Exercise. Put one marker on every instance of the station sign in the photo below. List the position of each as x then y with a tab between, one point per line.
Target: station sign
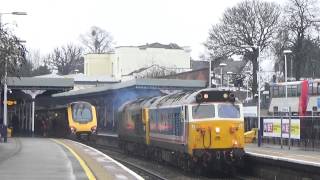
273	128
11	102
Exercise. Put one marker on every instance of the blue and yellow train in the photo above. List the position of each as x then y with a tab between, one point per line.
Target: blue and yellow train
76	118
189	129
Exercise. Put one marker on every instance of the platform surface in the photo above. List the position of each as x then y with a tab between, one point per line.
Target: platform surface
44	158
275	152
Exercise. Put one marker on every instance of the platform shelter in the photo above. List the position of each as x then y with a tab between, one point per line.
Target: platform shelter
23	95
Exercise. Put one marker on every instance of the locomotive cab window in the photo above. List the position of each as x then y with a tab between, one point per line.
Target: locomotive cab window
228	111
203	111
81	113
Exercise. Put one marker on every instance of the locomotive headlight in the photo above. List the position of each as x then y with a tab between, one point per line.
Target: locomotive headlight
94	129
73	129
205	96
217	130
225	95
235	143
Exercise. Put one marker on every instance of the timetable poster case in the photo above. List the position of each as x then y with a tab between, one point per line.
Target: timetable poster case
272	128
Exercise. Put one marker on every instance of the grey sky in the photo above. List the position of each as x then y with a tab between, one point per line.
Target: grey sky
52	23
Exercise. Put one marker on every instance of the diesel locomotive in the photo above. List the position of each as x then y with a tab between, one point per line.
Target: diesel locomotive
199	129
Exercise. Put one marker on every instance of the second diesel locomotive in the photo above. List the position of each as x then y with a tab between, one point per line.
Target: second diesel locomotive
188	129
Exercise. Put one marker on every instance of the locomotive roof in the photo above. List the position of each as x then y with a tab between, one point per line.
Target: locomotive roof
172	84
180	98
138	103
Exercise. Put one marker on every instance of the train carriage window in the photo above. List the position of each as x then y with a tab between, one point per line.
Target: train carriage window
281	91
275	91
314	89
228	111
318	88
81	113
292	91
203	111
310	88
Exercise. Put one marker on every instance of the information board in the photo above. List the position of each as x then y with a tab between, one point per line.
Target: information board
273	128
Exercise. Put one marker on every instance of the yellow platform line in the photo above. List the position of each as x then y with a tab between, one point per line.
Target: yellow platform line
82	162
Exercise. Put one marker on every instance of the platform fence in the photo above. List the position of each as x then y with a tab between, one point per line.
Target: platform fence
304	134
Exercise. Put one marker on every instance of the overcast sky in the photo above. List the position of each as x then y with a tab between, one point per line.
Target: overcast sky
53	23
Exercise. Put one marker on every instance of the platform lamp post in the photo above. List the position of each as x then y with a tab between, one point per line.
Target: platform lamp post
285	52
210	72
5	88
247	73
221	70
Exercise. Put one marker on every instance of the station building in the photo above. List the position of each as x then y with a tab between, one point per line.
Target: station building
124	60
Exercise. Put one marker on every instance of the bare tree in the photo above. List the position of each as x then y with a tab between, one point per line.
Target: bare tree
25	70
97	40
299	15
249	23
156	71
12	53
66	59
41	70
33	55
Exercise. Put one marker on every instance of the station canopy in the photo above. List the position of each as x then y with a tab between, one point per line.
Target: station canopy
35	83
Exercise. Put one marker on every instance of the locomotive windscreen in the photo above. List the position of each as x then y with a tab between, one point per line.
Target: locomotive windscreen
81	112
215	96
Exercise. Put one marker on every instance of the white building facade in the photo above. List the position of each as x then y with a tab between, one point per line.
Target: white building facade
127	59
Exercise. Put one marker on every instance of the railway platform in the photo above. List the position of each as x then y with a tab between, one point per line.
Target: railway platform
273	162
44	158
275	152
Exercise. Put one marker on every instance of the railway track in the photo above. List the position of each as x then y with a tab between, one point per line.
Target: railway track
148	169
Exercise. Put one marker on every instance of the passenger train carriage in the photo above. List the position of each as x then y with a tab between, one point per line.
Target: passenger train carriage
302	97
188	129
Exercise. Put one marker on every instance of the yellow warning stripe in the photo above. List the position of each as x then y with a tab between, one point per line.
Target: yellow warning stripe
82	162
